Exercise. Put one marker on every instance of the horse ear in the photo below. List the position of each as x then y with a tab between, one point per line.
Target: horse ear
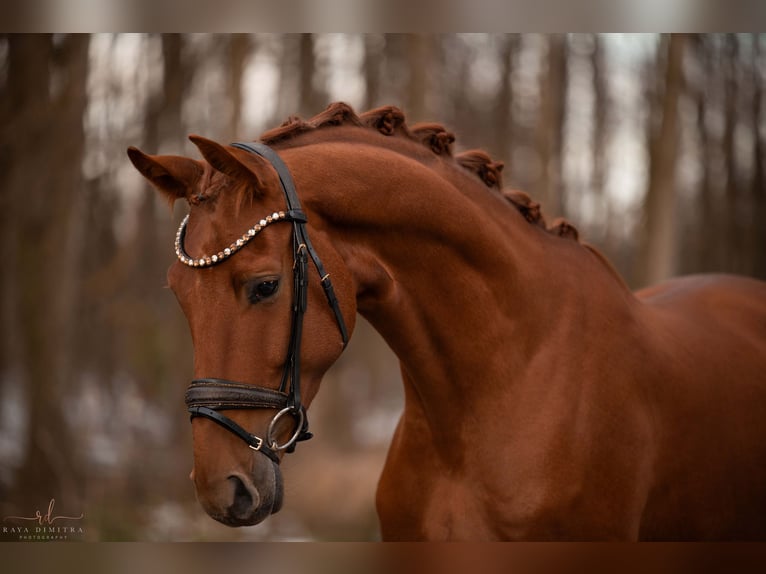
226	162
174	176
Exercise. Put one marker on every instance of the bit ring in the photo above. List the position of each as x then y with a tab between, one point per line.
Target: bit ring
299	427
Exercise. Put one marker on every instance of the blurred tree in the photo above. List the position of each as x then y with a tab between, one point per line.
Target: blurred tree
239	49
43	136
373	58
705	223
300	91
150	317
312	97
657	255
550	125
602	107
600	114
757	237
420	58
157	336
503	126
732	217
724	214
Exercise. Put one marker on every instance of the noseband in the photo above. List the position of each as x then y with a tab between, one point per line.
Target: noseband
206	397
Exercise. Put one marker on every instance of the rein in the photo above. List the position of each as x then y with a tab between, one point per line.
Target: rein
206	397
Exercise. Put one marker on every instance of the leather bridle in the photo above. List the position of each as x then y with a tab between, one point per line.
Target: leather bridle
206	397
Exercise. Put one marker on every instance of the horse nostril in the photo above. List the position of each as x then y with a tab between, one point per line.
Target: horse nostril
245	499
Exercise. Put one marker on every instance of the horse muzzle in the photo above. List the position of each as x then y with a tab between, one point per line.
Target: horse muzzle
242	499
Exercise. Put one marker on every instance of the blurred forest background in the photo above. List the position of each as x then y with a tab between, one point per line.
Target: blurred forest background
653	145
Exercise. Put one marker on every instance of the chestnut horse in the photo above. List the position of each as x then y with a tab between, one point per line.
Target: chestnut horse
543	399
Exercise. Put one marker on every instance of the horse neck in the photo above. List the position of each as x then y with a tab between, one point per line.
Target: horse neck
461	287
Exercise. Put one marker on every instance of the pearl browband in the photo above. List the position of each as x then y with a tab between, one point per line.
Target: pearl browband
224	254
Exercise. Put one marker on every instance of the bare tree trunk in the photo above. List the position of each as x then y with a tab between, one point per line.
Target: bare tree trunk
757	245
734	257
550	127
601	118
70	240
298	82
29	58
239	50
313	99
21	117
703	251
150	252
657	258
46	250
461	112
419	57
162	130
503	128
175	82
600	114
373	45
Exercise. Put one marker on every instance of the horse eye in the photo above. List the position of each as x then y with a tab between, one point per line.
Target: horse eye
263	290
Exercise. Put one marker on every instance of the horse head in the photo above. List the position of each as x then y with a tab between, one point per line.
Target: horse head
263	333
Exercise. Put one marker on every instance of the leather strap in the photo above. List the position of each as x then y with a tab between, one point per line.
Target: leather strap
253	441
294	205
223	394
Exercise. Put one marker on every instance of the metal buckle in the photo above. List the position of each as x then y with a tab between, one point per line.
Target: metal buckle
260	443
269	433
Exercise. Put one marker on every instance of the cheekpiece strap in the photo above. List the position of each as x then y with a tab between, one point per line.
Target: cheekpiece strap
294	206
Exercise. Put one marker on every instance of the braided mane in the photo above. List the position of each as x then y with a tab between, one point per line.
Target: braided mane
390	121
